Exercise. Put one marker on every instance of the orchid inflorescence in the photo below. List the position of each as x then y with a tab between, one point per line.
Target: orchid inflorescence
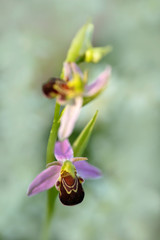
72	91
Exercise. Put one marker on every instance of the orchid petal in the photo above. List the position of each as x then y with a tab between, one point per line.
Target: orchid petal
63	150
69	117
67	71
86	170
98	84
45	180
59	163
76	159
76	69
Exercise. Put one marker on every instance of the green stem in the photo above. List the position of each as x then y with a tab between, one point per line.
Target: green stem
53	135
51	198
51	193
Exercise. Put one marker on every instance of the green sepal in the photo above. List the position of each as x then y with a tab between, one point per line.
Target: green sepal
81	142
80	43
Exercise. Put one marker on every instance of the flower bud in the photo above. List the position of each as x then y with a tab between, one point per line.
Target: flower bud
95	54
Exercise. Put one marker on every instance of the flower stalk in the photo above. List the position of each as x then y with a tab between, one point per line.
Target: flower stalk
53	134
66	169
51	193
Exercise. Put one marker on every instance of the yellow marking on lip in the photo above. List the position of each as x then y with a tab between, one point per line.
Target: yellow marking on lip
65	185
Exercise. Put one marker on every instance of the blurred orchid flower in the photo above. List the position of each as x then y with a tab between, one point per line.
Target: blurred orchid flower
67	174
70	92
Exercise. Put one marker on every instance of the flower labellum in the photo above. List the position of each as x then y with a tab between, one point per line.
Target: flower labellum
70	187
67	174
56	87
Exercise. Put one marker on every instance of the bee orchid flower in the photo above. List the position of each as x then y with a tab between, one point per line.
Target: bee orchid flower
67	174
70	92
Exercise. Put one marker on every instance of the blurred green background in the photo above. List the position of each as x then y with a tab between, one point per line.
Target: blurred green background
35	36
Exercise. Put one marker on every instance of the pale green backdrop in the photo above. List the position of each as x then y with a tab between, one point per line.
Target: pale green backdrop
35	36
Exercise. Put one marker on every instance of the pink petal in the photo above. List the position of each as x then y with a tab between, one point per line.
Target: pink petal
76	69
86	170
69	117
63	150
45	180
98	84
67	71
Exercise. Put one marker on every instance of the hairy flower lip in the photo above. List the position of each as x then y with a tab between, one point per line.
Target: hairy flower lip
54	87
71	194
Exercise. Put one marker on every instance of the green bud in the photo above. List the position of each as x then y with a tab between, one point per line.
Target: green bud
95	54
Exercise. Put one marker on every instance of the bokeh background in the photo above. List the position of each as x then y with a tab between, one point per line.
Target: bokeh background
35	36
